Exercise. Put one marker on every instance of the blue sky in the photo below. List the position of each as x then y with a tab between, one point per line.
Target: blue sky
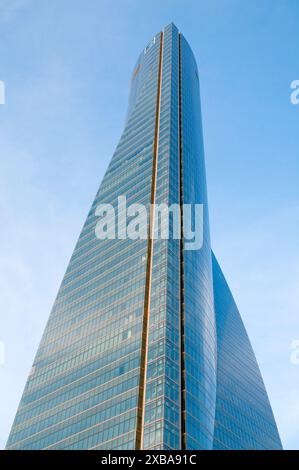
66	65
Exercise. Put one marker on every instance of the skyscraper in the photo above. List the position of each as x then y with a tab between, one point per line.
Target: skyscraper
144	347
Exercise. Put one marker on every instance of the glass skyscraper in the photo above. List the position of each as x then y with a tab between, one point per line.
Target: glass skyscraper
144	347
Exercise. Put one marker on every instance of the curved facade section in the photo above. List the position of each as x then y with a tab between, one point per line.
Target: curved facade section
244	418
199	335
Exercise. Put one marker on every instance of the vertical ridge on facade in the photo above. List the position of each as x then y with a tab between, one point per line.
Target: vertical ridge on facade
144	340
183	374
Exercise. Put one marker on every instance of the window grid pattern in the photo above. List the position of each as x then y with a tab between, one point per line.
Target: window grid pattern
199	317
203	388
244	418
84	386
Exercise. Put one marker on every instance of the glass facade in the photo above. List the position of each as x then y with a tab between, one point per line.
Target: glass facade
244	418
137	352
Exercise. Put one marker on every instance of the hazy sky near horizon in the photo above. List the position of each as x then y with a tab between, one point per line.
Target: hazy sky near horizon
66	65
